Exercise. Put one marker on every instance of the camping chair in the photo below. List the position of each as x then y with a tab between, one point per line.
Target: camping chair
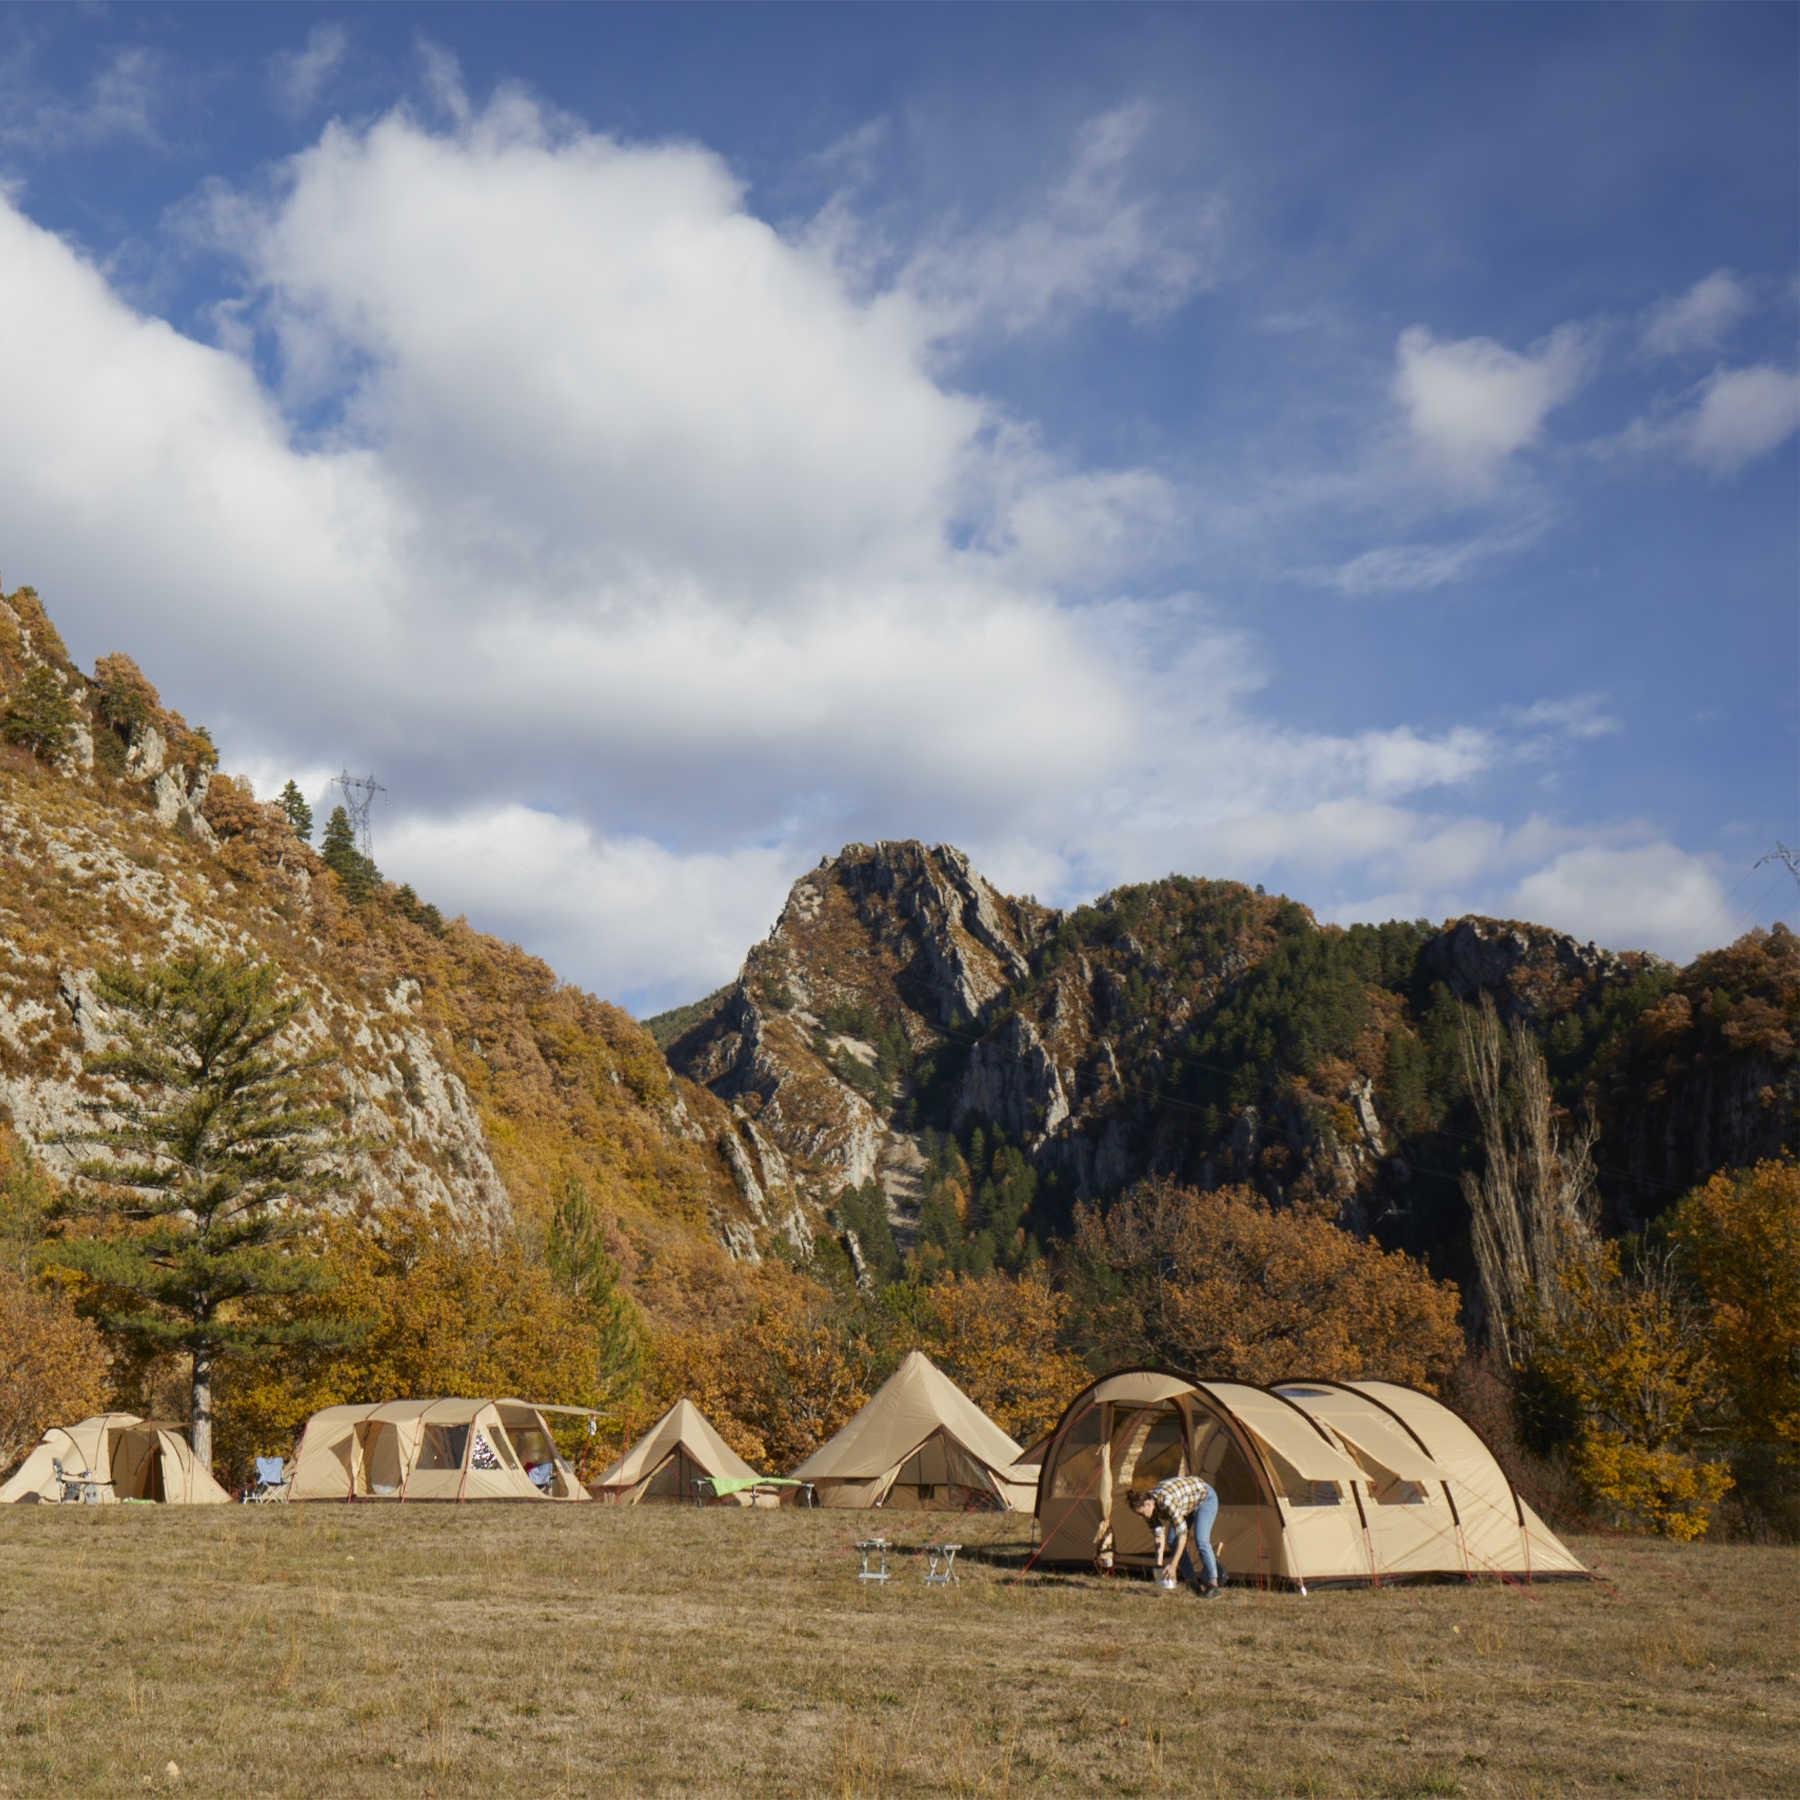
78	1485
271	1481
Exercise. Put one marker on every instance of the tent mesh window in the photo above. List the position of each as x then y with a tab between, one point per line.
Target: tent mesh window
1078	1463
443	1447
1221	1460
1161	1449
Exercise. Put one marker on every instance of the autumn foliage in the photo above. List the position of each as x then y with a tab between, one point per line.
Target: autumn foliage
54	1369
1225	1284
438	1308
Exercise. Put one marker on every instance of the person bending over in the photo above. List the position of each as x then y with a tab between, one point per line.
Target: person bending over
1187	1507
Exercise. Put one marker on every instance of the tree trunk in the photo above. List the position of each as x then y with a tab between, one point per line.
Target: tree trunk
202	1414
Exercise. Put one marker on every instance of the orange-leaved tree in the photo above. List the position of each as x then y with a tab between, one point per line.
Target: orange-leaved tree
53	1363
1226	1285
779	1382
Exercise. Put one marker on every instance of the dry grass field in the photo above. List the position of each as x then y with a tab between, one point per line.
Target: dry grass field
331	1650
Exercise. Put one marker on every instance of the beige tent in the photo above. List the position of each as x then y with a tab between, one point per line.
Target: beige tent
431	1450
921	1442
127	1458
678	1450
1318	1481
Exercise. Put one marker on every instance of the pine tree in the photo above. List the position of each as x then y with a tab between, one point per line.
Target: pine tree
200	1209
338	847
293	803
579	1260
39	716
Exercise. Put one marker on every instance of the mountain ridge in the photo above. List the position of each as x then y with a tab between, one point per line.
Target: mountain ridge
905	1038
1210	1033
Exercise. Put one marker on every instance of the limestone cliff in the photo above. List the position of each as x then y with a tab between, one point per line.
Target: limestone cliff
473	1078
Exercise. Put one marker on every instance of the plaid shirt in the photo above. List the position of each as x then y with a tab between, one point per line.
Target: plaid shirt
1175	1500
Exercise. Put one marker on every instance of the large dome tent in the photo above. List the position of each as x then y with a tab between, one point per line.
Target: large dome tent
1318	1482
446	1449
124	1457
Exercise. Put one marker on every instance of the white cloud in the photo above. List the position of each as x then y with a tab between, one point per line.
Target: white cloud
1473	403
443	77
644	554
673	925
298	77
1580	716
1700	319
1092	243
1742	414
121	103
1423	568
1650	896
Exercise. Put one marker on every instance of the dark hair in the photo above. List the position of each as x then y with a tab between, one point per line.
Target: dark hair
1136	1497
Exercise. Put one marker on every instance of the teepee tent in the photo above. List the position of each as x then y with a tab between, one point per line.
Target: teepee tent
432	1450
678	1450
921	1442
123	1456
1318	1481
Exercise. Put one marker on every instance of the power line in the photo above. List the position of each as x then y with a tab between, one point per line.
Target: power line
1789	860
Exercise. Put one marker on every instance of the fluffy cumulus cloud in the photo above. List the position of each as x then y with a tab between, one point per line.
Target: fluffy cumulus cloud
1472	403
557	881
645	552
1650	896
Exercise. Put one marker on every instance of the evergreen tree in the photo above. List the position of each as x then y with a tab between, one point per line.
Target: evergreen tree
200	1208
39	716
293	803
580	1262
338	847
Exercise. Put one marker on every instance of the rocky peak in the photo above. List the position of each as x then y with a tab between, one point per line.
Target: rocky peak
1529	970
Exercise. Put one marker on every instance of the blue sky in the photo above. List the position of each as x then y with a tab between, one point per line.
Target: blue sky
1352	449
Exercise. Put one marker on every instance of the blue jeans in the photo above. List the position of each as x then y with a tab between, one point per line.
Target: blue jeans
1200	1530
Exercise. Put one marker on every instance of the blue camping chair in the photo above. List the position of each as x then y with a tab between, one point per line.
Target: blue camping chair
271	1481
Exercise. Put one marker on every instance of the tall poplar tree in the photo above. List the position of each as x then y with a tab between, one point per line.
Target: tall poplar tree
198	1211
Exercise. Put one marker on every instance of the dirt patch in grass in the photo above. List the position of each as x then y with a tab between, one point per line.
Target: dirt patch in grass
344	1650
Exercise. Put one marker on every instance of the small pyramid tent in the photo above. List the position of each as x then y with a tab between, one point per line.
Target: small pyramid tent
449	1449
127	1458
921	1442
679	1449
1318	1481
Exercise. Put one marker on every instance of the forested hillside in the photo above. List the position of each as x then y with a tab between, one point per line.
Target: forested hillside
973	1066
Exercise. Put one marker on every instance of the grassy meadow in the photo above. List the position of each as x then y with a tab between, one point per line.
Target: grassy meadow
336	1650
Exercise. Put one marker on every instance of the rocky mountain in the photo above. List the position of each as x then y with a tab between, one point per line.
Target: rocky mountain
1212	1033
906	1038
472	1076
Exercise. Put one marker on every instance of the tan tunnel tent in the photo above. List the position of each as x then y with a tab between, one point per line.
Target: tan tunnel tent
922	1443
449	1449
122	1457
1319	1482
680	1449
